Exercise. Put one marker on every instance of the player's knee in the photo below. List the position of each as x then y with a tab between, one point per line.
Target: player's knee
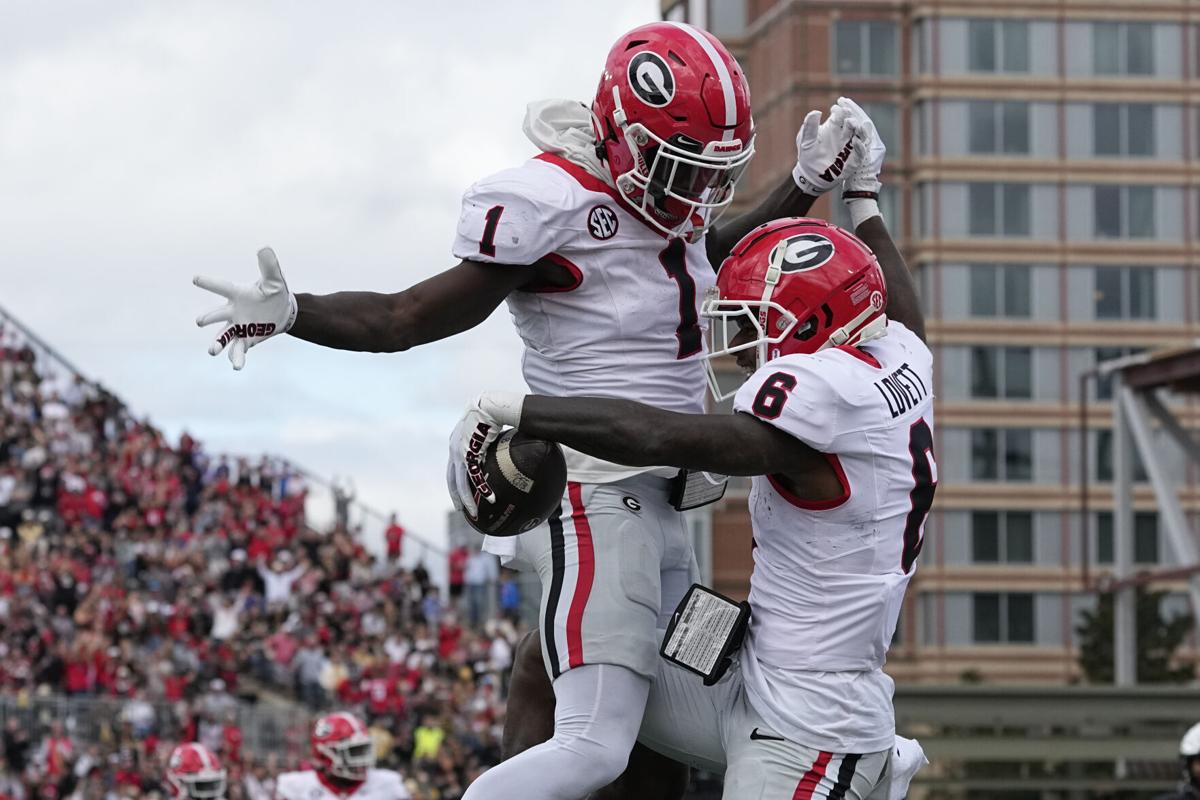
598	751
596	763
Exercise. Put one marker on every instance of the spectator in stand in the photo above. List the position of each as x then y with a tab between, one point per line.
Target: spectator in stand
480	576
510	597
393	535
458	564
279	578
129	583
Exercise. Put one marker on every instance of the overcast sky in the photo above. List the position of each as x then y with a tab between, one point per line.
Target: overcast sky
143	142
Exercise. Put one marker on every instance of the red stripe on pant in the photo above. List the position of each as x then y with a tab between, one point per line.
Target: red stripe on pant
808	784
583	581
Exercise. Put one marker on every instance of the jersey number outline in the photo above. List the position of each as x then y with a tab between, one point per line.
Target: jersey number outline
674	261
768	403
487	242
925	481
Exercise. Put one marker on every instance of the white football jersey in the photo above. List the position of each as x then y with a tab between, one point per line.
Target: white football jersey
381	784
829	577
628	326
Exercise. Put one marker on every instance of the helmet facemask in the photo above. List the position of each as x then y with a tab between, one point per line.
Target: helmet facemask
350	758
204	785
678	188
771	323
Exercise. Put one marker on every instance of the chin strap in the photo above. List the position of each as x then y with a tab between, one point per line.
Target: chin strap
875	329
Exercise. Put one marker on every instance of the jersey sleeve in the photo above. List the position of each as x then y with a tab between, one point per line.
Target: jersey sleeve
517	216
792	394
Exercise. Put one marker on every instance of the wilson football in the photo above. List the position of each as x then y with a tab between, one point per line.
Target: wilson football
527	477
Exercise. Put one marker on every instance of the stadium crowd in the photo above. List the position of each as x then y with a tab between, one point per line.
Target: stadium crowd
174	588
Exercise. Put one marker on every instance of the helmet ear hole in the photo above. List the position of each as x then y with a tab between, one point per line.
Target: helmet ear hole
808	330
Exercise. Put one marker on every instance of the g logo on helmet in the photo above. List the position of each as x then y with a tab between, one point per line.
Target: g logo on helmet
802	252
176	760
651	79
322	729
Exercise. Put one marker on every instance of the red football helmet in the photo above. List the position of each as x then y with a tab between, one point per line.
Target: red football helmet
672	114
193	773
342	747
803	285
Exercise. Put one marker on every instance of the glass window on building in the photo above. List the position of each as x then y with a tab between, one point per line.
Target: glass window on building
998	127
865	48
1000	290
1123	212
998	209
1145	537
1002	372
886	117
1020	627
986	613
1123	48
1001	454
997	45
1125	293
1123	129
1105	467
1004	537
1003	618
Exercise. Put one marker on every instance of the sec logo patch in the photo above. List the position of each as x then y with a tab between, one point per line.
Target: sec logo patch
602	222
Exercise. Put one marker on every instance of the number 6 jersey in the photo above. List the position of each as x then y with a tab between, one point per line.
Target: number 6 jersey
627	323
829	577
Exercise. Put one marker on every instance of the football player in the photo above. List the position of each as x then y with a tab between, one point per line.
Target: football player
193	773
1189	761
345	757
603	247
835	424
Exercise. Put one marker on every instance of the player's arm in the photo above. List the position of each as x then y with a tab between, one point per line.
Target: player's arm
821	152
786	200
862	200
903	305
627	432
446	304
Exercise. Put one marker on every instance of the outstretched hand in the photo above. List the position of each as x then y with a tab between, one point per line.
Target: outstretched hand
254	313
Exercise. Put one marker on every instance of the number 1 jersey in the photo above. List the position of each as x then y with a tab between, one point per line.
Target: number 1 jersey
626	325
829	577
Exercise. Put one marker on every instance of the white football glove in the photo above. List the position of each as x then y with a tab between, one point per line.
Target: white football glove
861	172
484	421
255	313
821	150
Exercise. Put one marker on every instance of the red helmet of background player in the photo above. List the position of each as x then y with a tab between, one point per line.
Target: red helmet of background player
802	285
672	114
193	773
342	747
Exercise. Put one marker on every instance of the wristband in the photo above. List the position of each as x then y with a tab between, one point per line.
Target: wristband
293	310
862	209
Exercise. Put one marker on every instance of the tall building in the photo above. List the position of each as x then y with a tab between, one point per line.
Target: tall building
1041	181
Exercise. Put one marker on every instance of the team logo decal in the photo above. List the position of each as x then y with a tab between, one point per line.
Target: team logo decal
651	79
631	503
323	728
803	252
602	222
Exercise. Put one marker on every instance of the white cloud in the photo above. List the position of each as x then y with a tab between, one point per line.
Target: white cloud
143	142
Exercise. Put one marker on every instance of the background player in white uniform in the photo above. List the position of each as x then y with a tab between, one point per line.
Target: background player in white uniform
603	249
345	757
835	423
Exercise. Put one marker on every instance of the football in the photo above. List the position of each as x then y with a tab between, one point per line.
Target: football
527	477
